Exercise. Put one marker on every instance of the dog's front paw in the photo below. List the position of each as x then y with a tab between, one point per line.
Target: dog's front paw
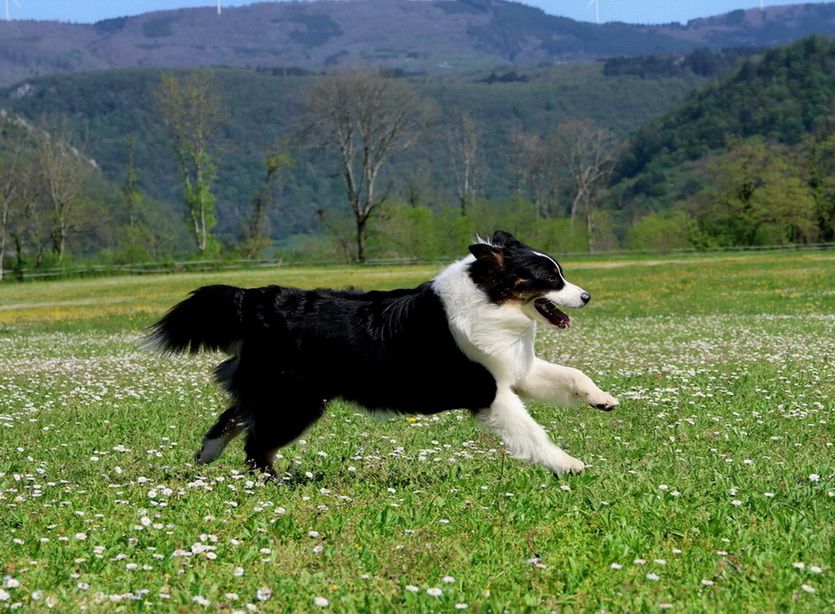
602	400
570	465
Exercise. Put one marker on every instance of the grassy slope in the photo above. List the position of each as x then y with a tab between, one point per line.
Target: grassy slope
106	106
723	365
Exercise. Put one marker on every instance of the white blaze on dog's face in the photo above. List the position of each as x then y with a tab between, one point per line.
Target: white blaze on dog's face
510	272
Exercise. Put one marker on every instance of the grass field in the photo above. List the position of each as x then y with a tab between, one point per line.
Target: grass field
712	487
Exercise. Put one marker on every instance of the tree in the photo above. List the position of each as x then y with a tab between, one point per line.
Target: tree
756	196
537	168
464	144
193	114
9	186
662	231
588	152
256	227
364	119
63	171
130	189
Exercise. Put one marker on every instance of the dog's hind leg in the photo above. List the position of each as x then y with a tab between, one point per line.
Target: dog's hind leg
228	426
278	428
524	437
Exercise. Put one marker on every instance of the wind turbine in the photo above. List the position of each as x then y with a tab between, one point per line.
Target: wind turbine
6	6
219	6
596	4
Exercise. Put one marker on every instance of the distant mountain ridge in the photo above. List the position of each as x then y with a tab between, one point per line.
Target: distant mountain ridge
419	35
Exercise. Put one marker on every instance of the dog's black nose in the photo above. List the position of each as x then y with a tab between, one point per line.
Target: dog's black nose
586	297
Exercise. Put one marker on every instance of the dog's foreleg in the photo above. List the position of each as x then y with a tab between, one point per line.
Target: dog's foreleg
550	383
524	437
218	437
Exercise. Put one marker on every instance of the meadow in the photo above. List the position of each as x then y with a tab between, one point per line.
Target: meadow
711	488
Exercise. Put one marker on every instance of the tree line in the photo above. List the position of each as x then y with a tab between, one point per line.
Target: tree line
357	123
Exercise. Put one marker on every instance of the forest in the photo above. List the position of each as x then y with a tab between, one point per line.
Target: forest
686	159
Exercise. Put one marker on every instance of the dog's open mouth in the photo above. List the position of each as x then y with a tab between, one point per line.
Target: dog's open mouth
549	310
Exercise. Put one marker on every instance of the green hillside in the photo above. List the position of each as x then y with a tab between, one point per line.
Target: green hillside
263	106
784	96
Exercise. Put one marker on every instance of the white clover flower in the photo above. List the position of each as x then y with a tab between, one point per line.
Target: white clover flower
448	579
815	569
313	534
808	588
263	593
615	566
321	602
412	588
799	565
654	577
200	600
434	591
814	477
238	571
4	595
461	606
707	582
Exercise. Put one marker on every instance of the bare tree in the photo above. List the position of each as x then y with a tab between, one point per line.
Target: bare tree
464	143
364	119
537	165
9	186
193	114
256	226
588	152
130	188
63	172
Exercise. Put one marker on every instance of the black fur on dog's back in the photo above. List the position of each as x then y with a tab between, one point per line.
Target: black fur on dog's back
293	350
387	350
211	318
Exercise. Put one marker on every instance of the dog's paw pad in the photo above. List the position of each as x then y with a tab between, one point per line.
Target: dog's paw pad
607	403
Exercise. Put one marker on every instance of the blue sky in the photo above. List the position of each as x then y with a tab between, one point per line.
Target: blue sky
636	11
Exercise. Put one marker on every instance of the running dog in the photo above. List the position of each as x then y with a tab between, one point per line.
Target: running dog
464	340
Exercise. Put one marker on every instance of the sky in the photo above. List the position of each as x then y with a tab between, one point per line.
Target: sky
634	11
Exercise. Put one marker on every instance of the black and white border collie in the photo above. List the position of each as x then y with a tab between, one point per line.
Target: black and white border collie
464	340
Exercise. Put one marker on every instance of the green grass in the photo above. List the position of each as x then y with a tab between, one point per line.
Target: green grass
702	491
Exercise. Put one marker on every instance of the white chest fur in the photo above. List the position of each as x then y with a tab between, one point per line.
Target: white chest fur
500	337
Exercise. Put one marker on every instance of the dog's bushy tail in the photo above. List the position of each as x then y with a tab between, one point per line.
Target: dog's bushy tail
211	318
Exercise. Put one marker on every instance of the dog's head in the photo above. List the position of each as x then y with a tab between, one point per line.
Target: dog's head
510	272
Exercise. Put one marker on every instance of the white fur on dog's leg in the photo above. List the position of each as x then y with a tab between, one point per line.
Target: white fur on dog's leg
524	437
550	383
212	448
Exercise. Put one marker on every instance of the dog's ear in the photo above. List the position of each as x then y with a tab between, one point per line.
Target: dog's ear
489	254
502	237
